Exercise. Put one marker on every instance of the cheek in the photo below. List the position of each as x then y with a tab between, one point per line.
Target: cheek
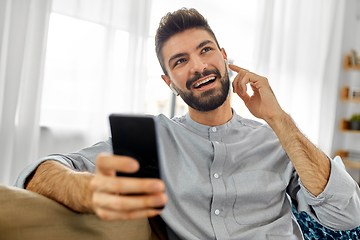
222	68
218	62
179	78
221	64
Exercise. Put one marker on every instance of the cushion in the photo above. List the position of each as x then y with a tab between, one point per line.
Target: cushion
312	230
28	215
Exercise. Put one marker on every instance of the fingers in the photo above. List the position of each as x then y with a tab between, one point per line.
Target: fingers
235	68
109	164
110	215
105	179
121	198
128	203
244	77
123	185
109	206
240	81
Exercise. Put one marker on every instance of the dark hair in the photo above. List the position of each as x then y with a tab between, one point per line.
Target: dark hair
177	22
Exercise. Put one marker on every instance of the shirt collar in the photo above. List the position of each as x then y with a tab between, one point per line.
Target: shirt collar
189	122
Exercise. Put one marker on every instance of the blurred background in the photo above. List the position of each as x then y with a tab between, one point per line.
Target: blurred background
65	65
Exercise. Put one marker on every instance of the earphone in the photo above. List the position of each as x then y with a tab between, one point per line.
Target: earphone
173	90
227	65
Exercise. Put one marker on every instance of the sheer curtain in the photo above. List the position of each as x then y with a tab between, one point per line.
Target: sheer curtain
299	46
113	80
96	65
130	16
23	28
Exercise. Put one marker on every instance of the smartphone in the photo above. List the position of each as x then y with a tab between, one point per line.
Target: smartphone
136	136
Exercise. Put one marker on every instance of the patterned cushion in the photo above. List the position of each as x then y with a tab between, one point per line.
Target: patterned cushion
312	230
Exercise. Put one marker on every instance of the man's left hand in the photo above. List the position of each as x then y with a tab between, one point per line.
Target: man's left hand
262	104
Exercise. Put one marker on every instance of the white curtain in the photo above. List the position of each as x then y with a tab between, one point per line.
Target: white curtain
132	16
23	29
116	79
299	46
23	41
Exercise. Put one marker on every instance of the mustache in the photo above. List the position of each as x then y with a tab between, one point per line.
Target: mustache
201	75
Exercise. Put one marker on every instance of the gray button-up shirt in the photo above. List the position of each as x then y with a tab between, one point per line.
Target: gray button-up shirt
233	181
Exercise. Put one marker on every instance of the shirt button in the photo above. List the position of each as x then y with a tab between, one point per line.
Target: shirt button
213	129
217	212
216	175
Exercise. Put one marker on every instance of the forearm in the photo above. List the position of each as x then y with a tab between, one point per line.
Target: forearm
310	163
64	185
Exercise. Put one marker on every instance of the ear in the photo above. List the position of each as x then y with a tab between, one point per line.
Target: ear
166	79
223	53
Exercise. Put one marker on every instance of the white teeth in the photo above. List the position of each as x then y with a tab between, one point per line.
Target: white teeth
204	81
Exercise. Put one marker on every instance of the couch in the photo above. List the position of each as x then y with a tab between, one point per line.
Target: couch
28	215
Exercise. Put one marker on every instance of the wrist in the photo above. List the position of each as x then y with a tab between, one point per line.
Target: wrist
278	119
82	200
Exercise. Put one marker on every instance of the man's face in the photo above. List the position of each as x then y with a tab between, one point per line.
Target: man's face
196	69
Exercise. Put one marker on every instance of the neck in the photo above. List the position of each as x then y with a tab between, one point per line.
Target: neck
215	117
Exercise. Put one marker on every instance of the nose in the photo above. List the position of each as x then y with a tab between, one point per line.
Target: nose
197	65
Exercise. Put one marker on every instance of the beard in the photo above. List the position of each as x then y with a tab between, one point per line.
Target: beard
210	99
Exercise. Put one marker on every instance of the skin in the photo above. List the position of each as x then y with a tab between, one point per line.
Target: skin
119	198
195	60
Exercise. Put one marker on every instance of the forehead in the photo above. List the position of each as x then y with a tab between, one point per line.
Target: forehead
185	42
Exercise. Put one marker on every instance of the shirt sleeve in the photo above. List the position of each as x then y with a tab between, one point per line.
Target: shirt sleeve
83	160
338	206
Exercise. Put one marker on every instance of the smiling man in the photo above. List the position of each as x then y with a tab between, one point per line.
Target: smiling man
226	177
205	88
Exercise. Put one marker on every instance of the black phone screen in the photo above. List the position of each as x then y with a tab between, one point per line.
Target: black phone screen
135	136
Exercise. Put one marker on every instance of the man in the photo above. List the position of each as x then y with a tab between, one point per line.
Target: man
226	177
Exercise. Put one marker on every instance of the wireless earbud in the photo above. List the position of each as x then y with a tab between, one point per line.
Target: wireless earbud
173	90
229	73
227	65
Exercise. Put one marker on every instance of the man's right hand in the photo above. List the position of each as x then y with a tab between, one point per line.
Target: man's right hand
124	198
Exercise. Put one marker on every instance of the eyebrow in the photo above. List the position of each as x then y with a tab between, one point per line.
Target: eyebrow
178	55
203	44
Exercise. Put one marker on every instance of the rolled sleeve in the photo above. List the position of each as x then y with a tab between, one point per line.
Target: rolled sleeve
26	172
338	206
84	160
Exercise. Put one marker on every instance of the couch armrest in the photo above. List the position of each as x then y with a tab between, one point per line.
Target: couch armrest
28	215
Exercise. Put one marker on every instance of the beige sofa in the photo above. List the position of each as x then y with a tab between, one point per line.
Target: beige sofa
27	215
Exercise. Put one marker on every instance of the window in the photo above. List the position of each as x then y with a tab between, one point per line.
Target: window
74	63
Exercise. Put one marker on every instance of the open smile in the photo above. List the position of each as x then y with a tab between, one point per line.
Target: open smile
204	83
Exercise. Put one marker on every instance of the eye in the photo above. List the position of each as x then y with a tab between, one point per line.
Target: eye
181	60
205	49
